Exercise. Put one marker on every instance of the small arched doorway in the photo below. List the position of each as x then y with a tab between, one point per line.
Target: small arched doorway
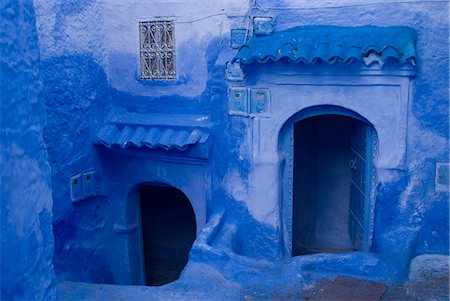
168	228
327	180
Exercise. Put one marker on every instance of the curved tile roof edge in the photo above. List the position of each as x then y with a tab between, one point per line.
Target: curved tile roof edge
151	137
331	44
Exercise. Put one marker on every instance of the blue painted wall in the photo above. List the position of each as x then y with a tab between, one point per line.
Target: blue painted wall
26	196
77	96
90	68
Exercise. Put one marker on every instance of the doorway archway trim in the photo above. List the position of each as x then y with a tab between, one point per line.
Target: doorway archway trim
286	148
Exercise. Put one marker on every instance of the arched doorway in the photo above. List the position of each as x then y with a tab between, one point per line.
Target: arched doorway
168	230
327	180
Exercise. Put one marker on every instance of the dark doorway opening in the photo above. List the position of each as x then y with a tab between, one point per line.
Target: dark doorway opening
168	232
330	193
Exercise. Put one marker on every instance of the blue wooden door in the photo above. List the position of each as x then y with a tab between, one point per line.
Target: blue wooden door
361	170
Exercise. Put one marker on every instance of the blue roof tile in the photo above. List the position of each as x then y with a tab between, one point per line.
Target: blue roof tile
331	44
151	137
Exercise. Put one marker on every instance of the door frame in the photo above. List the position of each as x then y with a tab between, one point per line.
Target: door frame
286	150
143	266
134	222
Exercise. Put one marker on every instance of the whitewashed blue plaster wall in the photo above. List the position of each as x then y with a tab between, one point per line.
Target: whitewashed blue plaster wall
291	93
27	240
90	61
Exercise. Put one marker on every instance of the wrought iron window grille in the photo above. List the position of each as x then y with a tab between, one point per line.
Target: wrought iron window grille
157	49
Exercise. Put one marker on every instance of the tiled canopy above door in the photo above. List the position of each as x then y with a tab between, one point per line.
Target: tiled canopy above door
317	44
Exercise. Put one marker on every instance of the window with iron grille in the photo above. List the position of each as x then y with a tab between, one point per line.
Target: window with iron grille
157	49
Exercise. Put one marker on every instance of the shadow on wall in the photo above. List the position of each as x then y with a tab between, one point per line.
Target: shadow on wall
26	200
167	97
77	97
83	243
239	232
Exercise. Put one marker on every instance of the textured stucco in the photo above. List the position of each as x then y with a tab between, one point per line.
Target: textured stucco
26	201
90	67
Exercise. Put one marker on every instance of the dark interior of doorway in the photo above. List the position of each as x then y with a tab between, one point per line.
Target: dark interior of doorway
322	184
168	232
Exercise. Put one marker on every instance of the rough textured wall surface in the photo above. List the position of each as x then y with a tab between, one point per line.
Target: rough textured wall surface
76	92
90	52
26	201
411	216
